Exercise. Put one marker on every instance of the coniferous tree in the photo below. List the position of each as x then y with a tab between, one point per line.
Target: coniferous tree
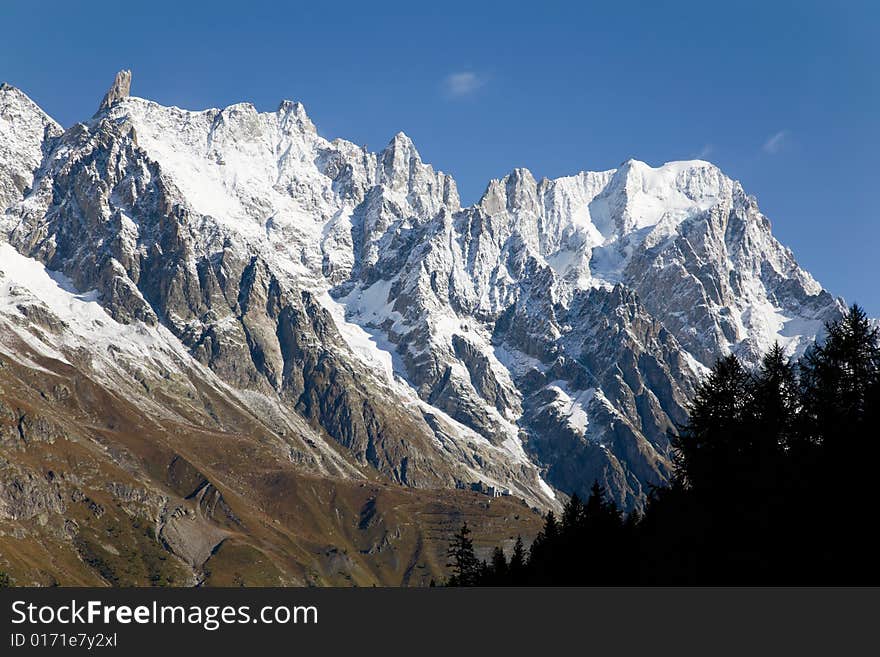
572	514
837	377
712	441
551	527
772	440
464	563
540	565
518	563
774	402
499	574
599	512
631	523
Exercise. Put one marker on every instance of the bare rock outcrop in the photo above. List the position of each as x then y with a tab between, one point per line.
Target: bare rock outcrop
118	90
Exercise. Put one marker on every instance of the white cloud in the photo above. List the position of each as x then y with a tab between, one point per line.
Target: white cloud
459	85
774	143
704	152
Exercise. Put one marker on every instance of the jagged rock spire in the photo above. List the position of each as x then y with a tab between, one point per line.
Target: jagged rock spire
118	90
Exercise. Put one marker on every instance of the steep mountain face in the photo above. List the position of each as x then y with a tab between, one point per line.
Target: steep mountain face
240	288
24	129
344	301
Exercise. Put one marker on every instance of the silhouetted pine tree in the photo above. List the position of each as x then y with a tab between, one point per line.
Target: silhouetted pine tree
540	567
600	513
837	379
498	569
551	528
713	439
517	566
466	569
774	404
572	514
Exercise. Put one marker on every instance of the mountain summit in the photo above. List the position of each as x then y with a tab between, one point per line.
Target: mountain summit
120	89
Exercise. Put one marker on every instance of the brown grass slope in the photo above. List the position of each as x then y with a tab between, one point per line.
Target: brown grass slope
94	491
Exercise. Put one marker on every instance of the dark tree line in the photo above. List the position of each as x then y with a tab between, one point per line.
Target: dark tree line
774	483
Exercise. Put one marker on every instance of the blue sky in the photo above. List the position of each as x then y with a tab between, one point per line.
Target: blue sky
782	96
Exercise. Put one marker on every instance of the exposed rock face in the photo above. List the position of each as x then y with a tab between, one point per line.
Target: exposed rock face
120	89
552	333
25	131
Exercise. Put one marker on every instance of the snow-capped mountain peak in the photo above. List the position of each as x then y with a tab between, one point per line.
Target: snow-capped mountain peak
551	333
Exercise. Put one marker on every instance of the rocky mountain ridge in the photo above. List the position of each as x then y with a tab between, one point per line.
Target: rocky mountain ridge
546	337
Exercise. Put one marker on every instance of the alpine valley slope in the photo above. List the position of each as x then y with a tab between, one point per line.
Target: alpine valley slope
231	273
